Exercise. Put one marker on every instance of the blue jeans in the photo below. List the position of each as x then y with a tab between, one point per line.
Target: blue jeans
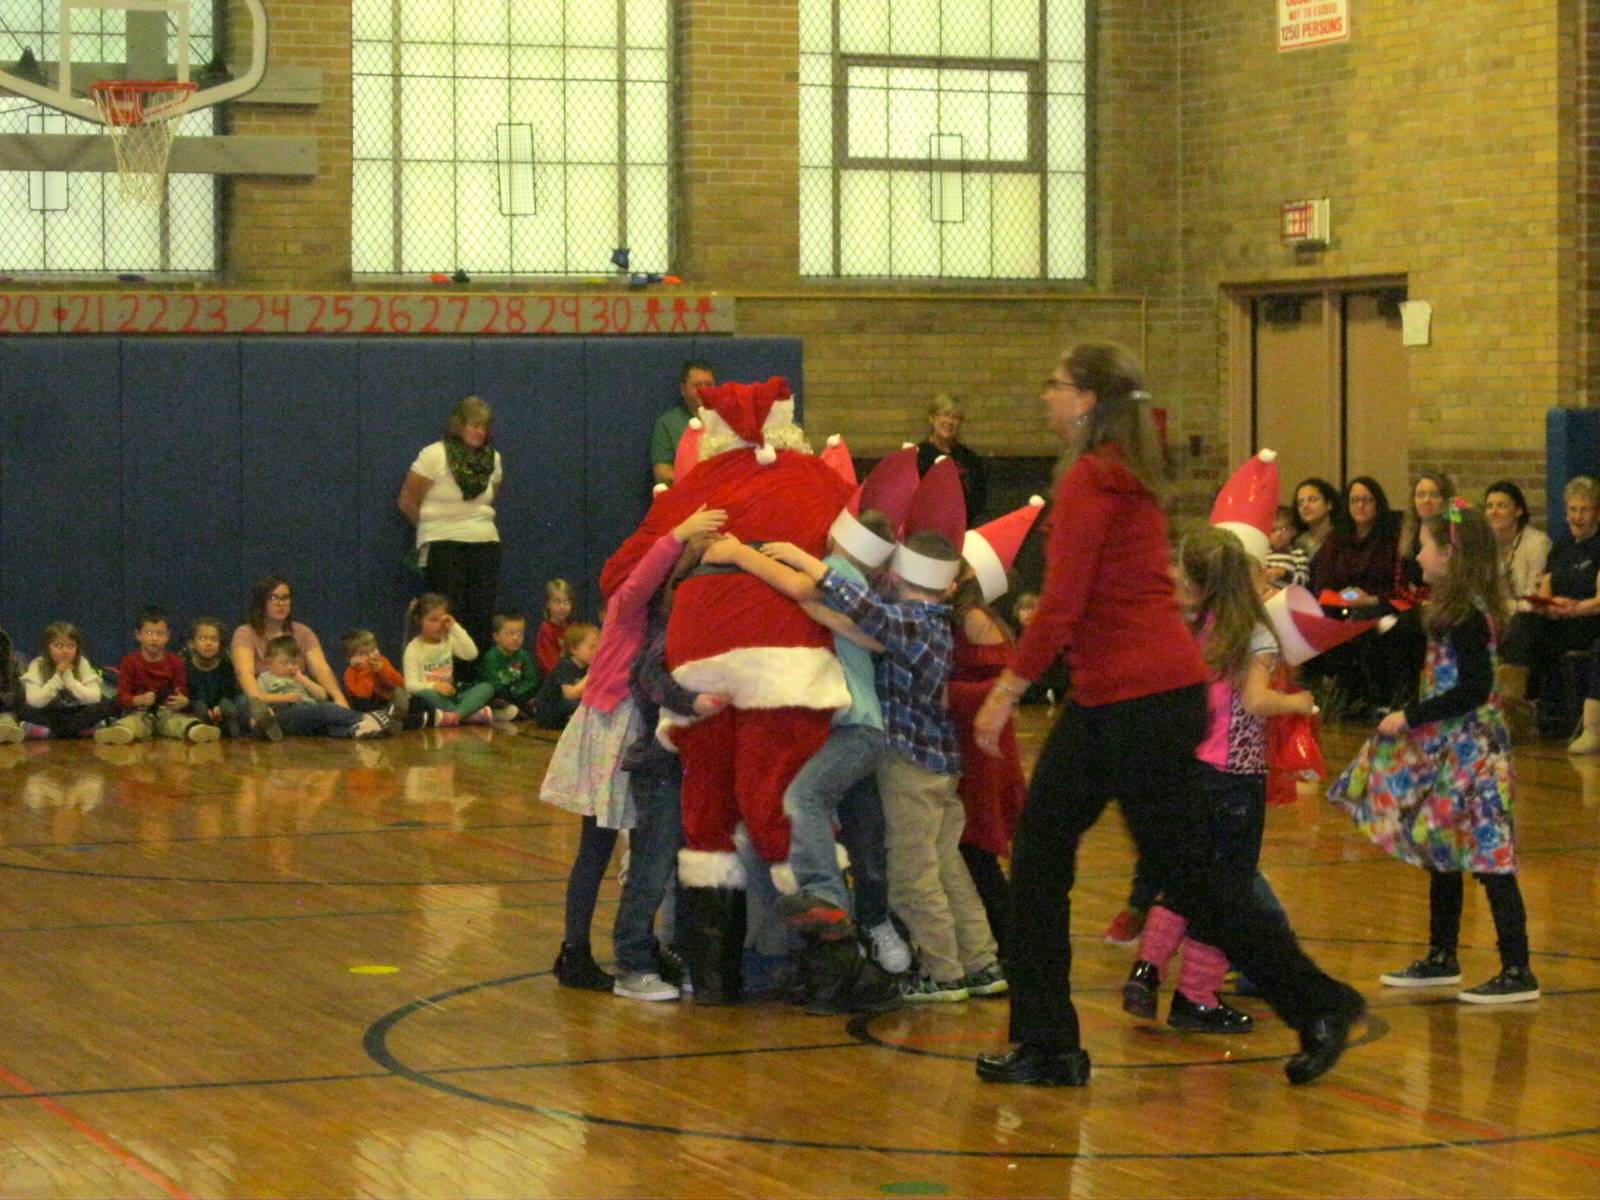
850	755
654	843
316	718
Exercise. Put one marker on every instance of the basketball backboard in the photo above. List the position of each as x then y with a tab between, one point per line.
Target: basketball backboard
157	40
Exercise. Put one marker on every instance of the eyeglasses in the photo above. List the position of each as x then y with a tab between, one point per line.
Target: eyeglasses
1053	383
283	596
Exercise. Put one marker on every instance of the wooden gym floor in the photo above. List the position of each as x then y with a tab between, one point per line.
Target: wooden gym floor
321	969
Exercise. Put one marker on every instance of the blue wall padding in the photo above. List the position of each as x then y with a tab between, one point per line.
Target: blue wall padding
176	471
61	436
1572	447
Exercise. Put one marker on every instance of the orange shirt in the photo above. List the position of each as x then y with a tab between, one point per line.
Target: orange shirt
368	684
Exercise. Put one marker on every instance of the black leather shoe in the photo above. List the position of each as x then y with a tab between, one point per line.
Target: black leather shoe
1139	993
1207	1018
1321	1044
1037	1065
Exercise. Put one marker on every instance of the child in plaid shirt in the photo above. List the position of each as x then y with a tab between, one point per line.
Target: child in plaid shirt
929	885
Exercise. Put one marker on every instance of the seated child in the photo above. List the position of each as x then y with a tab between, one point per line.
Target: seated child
430	660
214	693
562	688
559	602
372	684
153	690
301	704
1287	563
63	695
510	668
11	730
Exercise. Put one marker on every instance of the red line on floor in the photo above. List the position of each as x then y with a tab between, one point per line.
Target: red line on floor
99	1137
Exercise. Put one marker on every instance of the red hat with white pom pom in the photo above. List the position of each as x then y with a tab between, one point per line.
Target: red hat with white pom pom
837	455
991	549
748	410
1247	505
688	449
1305	631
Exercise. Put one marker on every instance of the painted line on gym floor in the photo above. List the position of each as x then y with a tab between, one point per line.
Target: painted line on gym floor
507	848
139	1166
340	883
376	1044
398	827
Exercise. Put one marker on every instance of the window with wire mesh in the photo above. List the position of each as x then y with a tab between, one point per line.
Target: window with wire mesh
944	138
77	222
511	137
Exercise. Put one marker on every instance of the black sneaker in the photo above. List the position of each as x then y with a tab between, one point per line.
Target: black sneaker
575	968
1514	985
1187	1014
1439	969
811	914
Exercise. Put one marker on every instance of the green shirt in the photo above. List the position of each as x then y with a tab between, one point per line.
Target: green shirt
666	435
514	675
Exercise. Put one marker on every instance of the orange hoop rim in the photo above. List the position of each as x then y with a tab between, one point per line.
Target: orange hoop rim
122	101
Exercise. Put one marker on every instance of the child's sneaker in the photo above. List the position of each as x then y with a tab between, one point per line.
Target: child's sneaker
1514	985
811	914
924	989
484	716
201	732
889	949
399	707
505	713
575	967
1125	927
446	718
644	985
265	721
35	733
1439	969
991	981
113	735
372	725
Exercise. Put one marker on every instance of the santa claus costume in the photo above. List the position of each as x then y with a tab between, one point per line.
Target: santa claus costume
732	635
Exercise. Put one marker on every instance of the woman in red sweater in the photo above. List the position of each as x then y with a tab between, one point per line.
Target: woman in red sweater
1129	733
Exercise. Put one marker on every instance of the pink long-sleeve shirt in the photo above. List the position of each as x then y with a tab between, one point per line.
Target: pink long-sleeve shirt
622	635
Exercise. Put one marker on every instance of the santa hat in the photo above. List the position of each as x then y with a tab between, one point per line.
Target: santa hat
888	488
688	449
938	506
748	410
1247	505
837	455
1305	632
991	549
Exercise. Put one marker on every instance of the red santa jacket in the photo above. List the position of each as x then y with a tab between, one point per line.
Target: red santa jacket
730	633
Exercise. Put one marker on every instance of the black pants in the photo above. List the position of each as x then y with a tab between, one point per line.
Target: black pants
993	890
1446	894
1141	753
1541	643
70	720
468	575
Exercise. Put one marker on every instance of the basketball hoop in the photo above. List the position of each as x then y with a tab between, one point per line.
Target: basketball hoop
140	116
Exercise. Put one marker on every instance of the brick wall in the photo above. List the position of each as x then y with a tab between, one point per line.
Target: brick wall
1451	148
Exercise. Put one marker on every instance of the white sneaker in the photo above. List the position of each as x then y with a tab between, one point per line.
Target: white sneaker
889	949
201	732
113	735
505	712
646	985
369	727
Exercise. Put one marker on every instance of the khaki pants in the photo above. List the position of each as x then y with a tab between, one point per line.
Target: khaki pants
159	722
929	885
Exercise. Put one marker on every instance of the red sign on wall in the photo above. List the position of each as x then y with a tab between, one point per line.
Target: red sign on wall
1305	23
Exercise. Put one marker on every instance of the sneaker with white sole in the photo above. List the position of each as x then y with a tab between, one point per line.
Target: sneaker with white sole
505	713
1439	969
644	985
113	735
889	949
1514	985
925	989
201	732
991	981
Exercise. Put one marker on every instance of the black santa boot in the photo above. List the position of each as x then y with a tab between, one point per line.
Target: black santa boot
710	933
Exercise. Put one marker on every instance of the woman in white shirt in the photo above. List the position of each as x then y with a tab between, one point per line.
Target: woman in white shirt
1523	549
449	495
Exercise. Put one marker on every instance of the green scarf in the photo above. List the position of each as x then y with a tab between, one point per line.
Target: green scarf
471	468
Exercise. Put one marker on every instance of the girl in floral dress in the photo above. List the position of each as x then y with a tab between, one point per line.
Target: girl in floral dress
1434	785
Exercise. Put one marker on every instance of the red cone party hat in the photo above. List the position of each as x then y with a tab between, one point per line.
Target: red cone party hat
749	410
837	455
937	506
688	449
1248	504
888	488
1304	632
991	549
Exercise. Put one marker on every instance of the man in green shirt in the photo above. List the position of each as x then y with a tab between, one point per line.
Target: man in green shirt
671	424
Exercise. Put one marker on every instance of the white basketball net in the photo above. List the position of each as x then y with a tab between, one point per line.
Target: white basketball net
141	122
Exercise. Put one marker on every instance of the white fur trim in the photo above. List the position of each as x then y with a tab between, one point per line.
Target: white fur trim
710	868
858	541
986	565
934	574
770	677
783	878
658	489
669	722
1268	456
833	439
766	455
1036	501
1256	543
908	445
